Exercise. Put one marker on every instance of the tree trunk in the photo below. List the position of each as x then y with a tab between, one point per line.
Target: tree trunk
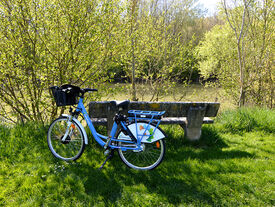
133	43
134	92
242	97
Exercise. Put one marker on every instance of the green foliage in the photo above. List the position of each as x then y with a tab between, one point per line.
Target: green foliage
90	43
213	51
247	120
238	52
157	50
45	43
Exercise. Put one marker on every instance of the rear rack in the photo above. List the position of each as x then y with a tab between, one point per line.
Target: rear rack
148	116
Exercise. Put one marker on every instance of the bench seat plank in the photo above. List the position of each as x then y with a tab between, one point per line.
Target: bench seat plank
166	120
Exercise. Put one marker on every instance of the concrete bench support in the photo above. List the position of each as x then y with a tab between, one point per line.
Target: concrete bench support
190	116
195	117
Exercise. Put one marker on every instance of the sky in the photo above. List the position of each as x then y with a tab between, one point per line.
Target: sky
210	5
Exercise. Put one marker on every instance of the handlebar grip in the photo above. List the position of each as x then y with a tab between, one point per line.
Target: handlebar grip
89	89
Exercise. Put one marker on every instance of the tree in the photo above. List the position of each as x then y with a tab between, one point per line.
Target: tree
156	47
239	52
240	29
49	42
45	43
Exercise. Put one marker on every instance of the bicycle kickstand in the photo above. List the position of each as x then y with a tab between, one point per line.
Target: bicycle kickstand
109	157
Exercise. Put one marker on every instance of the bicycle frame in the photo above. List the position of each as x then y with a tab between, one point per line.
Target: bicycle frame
99	137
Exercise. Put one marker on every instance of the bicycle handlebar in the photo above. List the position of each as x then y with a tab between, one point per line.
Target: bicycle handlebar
67	88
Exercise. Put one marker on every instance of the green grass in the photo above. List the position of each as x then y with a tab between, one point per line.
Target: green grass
247	120
224	168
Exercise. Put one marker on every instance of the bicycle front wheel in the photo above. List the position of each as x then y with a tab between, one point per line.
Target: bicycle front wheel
148	158
72	147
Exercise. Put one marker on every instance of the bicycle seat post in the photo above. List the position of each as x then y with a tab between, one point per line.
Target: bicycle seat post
71	110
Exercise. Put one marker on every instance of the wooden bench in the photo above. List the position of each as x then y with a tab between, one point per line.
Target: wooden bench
189	115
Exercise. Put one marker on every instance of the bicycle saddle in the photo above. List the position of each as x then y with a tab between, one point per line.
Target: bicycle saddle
118	104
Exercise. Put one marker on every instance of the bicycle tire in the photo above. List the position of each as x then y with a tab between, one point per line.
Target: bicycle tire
74	145
134	159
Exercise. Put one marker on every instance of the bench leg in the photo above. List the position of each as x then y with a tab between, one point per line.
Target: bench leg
191	134
192	129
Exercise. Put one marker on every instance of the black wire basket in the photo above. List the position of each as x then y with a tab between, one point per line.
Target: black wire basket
65	95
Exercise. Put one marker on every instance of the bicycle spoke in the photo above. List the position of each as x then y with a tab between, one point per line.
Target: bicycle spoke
71	147
148	158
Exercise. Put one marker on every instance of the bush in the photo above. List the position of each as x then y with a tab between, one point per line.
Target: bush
246	120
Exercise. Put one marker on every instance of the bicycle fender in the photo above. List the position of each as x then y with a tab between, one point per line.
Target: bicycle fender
81	127
151	134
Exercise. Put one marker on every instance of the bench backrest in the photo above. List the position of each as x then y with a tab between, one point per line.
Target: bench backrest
103	109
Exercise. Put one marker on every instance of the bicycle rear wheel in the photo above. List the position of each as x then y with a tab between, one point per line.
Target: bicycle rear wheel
147	159
73	146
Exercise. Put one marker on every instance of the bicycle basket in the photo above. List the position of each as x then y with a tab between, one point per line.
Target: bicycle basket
65	95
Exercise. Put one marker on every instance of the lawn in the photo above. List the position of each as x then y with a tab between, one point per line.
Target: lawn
226	167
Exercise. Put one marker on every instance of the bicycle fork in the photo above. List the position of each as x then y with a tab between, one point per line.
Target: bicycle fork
68	131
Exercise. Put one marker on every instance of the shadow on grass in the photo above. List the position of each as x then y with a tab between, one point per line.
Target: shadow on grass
117	184
99	185
210	146
210	138
174	180
184	177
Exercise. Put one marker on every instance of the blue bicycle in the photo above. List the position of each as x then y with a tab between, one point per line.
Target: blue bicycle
138	138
